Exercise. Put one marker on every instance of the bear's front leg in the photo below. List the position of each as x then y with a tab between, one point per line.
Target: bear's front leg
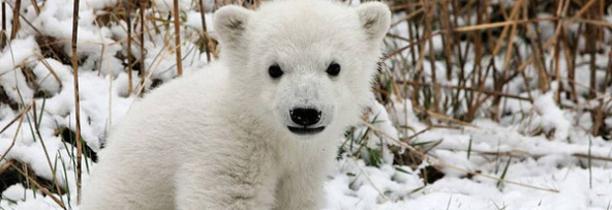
301	191
233	183
226	197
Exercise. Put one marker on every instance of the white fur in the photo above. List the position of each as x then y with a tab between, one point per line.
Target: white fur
218	139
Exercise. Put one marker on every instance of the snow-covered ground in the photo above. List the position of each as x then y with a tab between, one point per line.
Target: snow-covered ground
538	156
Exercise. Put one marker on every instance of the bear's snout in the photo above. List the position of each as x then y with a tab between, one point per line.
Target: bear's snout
305	119
305	116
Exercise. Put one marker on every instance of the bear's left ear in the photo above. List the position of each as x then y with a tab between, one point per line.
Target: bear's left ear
230	23
375	18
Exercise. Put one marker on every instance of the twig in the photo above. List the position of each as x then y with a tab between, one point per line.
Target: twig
407	17
41	188
411	44
585	8
472	89
143	69
177	38
369	179
77	103
523	154
51	70
205	30
128	20
44	146
36	7
485	26
6	165
14	137
16	12
416	134
3	31
14	120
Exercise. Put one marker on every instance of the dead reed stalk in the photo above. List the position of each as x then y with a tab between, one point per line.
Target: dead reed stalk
143	69
16	11
204	29
177	38
3	31
130	56
77	103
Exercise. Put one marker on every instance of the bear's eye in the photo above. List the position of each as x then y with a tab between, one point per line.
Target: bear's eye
275	71
333	69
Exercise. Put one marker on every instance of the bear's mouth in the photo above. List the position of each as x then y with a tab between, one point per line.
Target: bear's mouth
305	130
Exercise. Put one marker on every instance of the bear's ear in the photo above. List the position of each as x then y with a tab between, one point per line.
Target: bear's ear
375	18
230	23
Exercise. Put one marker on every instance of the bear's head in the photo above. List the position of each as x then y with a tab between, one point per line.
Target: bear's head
303	67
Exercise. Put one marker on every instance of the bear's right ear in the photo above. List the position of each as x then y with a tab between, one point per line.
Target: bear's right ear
375	18
230	23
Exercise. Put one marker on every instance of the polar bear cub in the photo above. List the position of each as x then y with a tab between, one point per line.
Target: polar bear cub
257	128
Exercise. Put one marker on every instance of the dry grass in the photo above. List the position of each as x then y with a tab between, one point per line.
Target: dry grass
77	101
488	36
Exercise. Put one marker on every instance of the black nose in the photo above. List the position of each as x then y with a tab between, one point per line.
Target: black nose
305	116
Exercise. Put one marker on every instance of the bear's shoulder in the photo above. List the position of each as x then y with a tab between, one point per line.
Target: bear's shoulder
192	94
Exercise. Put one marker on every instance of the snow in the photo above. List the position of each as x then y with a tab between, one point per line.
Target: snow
551	116
51	74
26	199
11	80
534	158
167	5
100	4
550	171
194	19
